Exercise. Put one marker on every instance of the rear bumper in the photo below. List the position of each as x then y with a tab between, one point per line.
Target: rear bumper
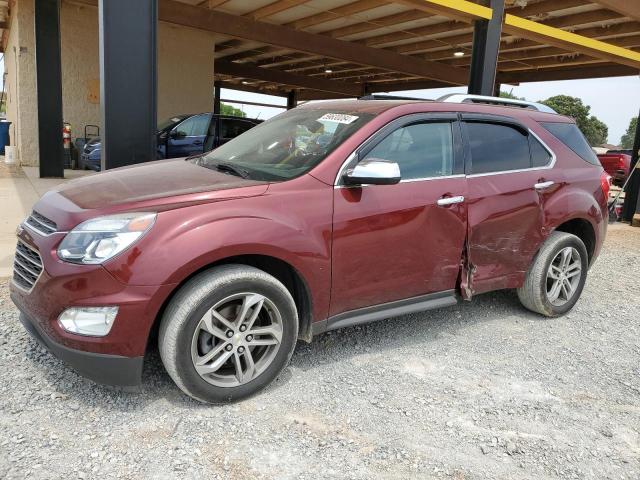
106	369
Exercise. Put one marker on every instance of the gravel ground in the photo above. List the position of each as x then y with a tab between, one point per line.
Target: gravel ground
481	390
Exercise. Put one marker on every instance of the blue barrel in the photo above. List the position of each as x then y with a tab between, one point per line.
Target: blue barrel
4	136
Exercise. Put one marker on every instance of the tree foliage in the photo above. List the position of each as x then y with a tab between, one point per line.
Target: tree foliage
226	109
510	95
627	139
592	128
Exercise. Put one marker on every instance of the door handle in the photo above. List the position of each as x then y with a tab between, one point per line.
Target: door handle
446	201
198	142
543	185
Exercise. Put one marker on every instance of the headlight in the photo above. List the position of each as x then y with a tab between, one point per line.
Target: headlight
101	238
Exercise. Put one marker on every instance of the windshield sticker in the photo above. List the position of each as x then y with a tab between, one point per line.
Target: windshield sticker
176	119
338	118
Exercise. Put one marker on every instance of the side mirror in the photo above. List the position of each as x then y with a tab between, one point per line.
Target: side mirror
177	134
373	171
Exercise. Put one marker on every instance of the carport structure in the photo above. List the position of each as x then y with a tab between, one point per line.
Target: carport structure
317	49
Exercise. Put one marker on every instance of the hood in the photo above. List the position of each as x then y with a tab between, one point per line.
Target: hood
159	185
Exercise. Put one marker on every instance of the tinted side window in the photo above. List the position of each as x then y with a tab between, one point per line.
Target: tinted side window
572	137
194	126
497	148
233	128
421	150
540	157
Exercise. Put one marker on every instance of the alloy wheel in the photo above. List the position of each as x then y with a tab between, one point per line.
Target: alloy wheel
563	276
236	340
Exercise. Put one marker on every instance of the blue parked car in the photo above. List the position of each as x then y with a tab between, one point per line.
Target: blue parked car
181	136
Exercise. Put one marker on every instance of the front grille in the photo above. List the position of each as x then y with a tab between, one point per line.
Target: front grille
27	266
41	224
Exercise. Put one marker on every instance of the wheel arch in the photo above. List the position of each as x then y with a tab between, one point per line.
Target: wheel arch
283	271
584	230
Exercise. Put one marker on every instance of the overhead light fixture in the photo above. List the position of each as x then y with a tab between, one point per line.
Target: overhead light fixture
244	82
458	54
328	70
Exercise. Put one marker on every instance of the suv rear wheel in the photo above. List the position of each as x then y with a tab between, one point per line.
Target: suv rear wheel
556	276
228	333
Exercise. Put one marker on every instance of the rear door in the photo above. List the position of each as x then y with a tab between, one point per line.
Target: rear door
393	242
508	177
230	128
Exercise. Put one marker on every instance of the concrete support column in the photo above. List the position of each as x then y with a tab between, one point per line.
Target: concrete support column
484	54
49	87
128	81
216	100
631	207
292	99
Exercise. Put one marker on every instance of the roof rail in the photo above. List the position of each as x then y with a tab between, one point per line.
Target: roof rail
465	98
392	97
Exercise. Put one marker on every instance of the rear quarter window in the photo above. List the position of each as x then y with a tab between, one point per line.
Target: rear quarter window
572	137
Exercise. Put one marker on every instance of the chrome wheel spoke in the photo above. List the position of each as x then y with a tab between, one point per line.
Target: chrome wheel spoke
253	303
215	365
218	316
554	272
244	375
554	293
566	258
207	323
573	273
270	335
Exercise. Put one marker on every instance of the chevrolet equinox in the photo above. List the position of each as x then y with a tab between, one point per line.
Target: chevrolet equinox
326	216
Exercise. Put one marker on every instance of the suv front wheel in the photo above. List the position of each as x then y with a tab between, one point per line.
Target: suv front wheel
228	333
556	276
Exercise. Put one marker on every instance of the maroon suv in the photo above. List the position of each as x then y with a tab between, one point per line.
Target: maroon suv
329	215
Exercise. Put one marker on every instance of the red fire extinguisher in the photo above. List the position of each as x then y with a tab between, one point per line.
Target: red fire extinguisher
66	143
66	135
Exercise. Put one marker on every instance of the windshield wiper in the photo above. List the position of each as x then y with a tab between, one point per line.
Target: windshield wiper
232	169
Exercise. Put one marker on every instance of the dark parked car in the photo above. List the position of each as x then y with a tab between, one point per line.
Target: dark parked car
329	215
181	136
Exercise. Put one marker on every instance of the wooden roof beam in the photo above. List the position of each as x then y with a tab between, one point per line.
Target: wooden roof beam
245	28
628	8
277	76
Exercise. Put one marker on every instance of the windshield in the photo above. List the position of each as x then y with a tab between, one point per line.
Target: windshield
285	146
170	122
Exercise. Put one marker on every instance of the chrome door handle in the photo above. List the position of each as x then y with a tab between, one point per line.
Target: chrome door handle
543	185
443	202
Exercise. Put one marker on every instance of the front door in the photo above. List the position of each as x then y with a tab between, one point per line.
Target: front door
188	137
505	208
393	242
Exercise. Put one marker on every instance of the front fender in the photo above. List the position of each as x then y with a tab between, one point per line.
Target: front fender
184	241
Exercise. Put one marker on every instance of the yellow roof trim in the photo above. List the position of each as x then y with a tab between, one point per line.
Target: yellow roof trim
463	6
556	33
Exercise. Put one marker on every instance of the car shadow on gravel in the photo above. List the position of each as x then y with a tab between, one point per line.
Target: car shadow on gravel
410	330
331	347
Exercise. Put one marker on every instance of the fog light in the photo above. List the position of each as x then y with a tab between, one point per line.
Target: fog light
92	321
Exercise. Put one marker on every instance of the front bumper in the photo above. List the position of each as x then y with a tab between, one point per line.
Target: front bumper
114	359
107	369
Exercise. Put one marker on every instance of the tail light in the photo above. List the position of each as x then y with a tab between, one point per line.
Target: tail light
605	183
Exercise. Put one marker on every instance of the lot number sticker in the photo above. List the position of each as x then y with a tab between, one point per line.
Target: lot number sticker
338	118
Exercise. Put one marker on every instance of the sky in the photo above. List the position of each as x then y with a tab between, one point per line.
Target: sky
614	100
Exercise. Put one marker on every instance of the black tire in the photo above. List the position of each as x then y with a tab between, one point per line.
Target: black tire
533	293
191	303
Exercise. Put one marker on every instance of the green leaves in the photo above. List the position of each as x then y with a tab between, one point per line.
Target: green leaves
627	139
